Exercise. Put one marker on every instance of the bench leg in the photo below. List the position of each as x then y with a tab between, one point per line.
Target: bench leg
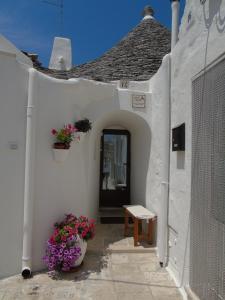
136	229
126	221
140	228
150	231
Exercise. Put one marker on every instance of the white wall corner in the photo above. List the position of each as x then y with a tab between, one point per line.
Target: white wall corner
6	47
61	57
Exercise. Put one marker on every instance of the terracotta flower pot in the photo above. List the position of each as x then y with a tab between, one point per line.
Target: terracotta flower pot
61	146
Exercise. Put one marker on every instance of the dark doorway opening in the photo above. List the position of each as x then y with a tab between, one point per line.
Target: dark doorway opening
114	172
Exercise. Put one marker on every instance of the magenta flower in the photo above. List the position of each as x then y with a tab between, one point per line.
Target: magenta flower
54	132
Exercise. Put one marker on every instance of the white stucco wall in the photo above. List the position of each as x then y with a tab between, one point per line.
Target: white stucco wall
202	40
8	48
63	188
159	162
13	101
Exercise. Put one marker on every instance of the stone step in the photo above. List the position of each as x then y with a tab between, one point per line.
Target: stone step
119	211
111	215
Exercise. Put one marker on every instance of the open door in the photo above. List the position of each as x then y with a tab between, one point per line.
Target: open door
115	168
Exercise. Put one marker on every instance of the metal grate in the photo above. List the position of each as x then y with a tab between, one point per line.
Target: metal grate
207	256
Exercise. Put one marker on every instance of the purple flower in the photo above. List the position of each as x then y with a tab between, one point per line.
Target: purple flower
61	256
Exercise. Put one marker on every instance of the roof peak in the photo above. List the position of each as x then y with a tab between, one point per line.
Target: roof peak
148	12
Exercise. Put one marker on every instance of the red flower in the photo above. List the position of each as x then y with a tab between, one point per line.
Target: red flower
54	132
63	238
52	240
74	231
72	225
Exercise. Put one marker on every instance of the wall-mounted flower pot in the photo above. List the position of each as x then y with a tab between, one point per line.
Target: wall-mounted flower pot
81	136
60	155
83	125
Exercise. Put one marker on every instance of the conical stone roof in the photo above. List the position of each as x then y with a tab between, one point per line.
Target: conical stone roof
136	57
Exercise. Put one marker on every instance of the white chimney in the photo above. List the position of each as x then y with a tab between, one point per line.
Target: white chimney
61	57
175	4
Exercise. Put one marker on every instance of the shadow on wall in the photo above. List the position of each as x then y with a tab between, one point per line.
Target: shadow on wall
214	10
181	160
140	148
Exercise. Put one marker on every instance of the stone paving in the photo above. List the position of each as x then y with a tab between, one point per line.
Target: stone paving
105	275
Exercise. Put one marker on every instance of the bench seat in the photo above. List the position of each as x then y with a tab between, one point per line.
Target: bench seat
139	213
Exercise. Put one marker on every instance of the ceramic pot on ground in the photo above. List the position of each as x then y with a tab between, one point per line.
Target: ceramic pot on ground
83	247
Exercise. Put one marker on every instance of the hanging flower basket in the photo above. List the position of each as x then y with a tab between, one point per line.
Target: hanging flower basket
81	136
83	125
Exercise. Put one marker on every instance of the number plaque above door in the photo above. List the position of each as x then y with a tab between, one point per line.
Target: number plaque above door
138	101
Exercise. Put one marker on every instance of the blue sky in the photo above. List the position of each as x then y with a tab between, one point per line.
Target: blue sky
94	26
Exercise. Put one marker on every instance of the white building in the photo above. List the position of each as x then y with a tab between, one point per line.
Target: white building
184	188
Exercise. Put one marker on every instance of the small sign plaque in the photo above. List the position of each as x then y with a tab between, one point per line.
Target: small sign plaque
138	101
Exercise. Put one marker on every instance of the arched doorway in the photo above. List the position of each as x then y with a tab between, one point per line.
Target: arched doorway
140	148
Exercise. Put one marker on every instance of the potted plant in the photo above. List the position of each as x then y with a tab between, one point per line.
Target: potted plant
63	139
83	126
85	231
62	250
68	243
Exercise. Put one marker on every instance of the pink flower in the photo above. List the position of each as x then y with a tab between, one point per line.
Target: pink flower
75	231
54	132
52	240
70	128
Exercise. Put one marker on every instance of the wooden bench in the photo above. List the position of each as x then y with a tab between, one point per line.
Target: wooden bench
138	213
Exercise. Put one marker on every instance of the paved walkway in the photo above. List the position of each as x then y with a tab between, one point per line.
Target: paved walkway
105	275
